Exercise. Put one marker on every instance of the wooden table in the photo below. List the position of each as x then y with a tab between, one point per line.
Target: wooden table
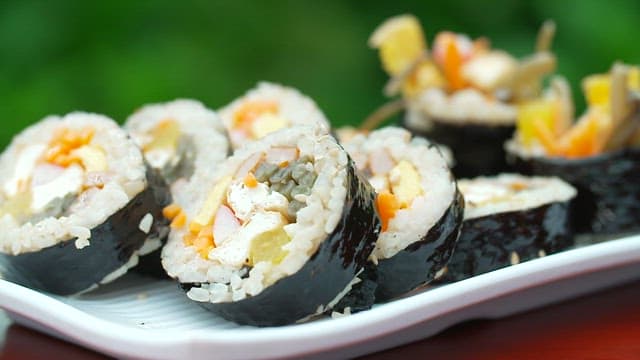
603	325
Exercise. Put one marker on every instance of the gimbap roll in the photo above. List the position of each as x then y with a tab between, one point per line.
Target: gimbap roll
266	108
599	153
461	92
419	205
78	206
277	233
509	219
177	138
346	133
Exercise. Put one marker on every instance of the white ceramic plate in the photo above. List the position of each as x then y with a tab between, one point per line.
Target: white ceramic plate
138	318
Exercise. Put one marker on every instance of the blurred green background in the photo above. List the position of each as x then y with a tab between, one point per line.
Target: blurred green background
113	56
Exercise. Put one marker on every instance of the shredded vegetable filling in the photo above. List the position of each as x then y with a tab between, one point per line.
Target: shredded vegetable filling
243	220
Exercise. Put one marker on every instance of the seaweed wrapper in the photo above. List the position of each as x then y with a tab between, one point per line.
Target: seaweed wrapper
330	269
499	240
64	269
477	149
608	200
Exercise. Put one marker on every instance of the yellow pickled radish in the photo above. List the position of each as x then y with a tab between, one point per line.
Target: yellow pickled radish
597	89
92	158
164	136
405	183
546	138
268	247
534	114
18	206
213	202
633	79
266	124
400	41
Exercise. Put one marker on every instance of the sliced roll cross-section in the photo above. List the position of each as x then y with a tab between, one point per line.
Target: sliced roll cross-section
510	219
178	137
277	234
266	108
77	204
419	204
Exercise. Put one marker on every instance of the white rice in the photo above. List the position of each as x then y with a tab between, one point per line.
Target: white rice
145	223
124	178
293	106
438	187
201	125
511	192
315	221
468	106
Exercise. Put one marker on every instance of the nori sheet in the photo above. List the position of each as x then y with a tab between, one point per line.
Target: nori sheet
336	262
410	268
150	264
608	200
477	149
64	270
486	243
418	263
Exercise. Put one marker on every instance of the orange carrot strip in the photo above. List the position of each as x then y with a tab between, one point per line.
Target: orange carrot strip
583	140
64	142
250	180
188	239
171	211
249	111
203	244
453	66
387	205
194	227
179	220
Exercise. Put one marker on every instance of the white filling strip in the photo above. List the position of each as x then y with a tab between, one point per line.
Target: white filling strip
511	192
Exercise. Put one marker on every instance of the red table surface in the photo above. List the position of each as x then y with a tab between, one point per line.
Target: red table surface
602	325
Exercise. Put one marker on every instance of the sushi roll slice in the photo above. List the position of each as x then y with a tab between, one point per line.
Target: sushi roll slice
177	138
419	205
266	108
277	234
461	92
347	133
509	219
599	153
78	206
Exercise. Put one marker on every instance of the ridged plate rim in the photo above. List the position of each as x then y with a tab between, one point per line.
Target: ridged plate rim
49	314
